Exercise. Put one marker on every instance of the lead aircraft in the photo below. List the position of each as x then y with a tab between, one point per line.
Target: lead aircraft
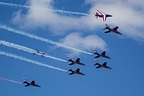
30	84
77	61
77	71
102	15
113	30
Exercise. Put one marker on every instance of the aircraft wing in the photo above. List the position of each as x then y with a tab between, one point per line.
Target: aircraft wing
107	32
82	74
27	85
103	15
115	28
37	50
97	56
108	15
42	55
100	12
82	64
37	85
69	59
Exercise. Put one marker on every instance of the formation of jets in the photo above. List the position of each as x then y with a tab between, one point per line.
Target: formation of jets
77	61
32	83
72	62
98	14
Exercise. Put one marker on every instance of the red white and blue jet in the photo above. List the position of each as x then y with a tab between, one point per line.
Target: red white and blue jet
102	15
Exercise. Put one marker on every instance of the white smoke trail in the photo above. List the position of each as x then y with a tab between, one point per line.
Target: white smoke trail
30	61
41	39
9	80
55	10
26	49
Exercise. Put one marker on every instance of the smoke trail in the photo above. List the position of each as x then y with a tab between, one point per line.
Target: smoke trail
55	10
26	49
9	80
41	39
31	61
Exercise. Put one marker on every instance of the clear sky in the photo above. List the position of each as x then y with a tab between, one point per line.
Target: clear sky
63	28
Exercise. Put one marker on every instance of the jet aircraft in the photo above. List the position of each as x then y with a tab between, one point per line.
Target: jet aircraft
102	15
30	84
39	52
77	61
104	65
114	30
101	55
77	71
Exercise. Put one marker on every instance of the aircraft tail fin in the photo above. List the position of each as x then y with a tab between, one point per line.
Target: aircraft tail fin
69	59
97	63
96	15
69	68
95	52
109	67
25	81
107	27
36	51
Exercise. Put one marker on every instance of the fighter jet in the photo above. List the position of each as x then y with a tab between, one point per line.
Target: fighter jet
39	52
77	71
104	65
114	30
30	84
102	15
101	55
77	61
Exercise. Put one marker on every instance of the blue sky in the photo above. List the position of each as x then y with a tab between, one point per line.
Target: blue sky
83	32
